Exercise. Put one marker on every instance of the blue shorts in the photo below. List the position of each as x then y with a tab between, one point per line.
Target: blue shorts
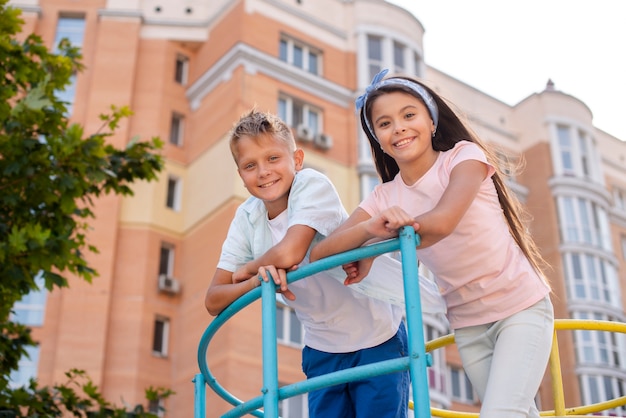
385	396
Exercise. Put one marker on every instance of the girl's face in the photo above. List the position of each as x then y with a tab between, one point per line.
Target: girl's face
404	128
267	168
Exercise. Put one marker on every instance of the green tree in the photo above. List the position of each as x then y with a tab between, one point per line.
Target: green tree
51	173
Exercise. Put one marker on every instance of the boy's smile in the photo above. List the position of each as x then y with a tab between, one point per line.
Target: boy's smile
267	167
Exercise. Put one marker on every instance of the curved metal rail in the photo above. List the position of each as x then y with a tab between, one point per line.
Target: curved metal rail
554	365
416	362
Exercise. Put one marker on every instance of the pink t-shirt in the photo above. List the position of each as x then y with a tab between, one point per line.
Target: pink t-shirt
482	273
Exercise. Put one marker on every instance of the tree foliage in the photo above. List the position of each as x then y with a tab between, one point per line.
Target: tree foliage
51	174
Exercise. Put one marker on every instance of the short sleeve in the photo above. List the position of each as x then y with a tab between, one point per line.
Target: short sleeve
237	247
314	202
465	150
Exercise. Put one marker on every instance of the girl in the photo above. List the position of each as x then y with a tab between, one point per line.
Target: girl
439	178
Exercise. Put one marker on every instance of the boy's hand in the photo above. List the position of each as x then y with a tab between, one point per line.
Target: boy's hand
280	279
357	270
241	275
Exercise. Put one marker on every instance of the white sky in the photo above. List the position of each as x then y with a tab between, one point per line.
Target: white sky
510	48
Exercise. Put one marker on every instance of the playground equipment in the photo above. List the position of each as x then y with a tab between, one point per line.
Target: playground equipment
416	362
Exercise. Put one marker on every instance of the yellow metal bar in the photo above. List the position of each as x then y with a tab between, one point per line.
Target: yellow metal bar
555	372
557	378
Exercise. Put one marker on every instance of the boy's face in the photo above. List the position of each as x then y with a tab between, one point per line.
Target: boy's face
267	169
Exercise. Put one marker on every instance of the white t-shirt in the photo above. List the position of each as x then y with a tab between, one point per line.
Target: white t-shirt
335	318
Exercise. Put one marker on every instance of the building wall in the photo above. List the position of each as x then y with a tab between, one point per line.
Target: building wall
130	49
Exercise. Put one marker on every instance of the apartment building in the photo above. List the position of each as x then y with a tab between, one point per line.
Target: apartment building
189	69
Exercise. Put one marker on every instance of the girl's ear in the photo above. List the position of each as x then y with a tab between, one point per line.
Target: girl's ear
298	157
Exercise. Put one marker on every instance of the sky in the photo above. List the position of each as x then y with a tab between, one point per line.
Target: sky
509	49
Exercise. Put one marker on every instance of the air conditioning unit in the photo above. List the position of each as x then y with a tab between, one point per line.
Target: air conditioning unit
304	133
168	284
323	141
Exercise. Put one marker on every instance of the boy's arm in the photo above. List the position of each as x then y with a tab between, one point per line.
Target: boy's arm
222	291
289	252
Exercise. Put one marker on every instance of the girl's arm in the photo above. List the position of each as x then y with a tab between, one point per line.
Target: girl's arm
351	234
432	226
438	223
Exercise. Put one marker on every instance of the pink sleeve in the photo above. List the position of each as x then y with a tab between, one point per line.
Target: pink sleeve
465	150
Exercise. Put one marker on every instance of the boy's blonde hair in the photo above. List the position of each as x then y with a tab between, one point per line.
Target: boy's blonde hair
255	124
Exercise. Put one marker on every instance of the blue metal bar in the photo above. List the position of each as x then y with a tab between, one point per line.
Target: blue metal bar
199	410
417	361
339	377
417	352
270	355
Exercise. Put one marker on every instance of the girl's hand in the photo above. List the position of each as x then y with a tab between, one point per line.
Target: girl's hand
357	270
280	279
386	224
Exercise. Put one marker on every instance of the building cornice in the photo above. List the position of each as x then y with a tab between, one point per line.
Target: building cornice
255	61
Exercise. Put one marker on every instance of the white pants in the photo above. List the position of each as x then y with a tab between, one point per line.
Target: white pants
506	360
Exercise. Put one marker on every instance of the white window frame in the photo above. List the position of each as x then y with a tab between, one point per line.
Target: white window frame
31	308
466	393
576	154
287	53
619	199
285	317
600	348
594	389
294	407
375	61
295	112
591	278
181	69
177	129
173	192
584	222
168	262
26	368
163	338
72	28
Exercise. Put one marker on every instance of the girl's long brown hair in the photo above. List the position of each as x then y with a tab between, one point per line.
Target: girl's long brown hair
451	130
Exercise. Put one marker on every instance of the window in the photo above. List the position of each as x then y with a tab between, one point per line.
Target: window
181	69
374	55
619	198
565	147
297	113
591	278
289	330
72	29
598	388
624	247
399	64
166	259
31	308
176	129
584	222
436	372
295	407
27	368
161	336
173	193
299	55
600	348
157	407
460	386
576	154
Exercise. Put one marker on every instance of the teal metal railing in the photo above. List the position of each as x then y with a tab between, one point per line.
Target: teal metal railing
416	362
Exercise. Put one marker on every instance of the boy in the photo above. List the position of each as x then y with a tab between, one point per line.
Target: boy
291	209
